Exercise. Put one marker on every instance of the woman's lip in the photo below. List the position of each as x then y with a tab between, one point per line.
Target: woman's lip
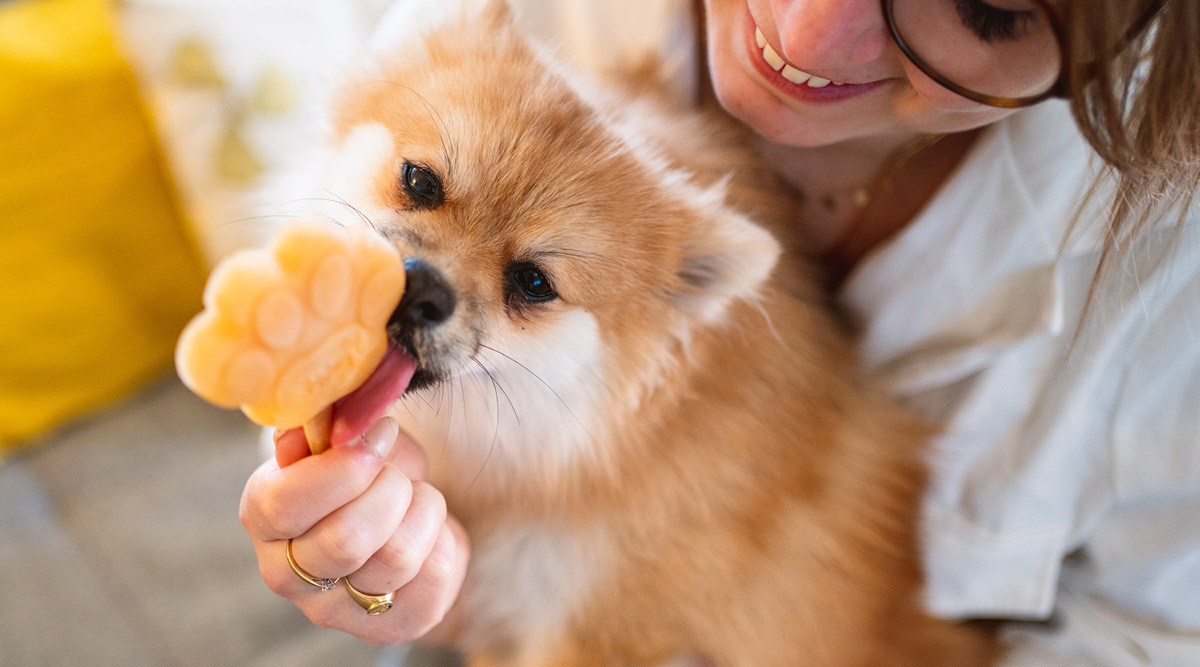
801	92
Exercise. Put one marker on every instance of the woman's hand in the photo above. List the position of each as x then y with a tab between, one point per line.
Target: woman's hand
362	512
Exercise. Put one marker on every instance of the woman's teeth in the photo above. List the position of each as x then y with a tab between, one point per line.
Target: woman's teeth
790	73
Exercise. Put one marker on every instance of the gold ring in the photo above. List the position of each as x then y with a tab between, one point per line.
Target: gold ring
373	604
325	584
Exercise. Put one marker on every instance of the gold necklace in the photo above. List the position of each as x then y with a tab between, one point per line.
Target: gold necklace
835	254
862	196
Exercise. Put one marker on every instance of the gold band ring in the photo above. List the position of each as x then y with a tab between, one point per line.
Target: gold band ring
373	604
325	584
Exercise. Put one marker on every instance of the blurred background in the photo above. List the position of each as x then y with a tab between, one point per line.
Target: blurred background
134	138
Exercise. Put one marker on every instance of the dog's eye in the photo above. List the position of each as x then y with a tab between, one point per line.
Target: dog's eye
531	283
422	185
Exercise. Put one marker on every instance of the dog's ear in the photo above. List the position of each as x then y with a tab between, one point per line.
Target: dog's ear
410	19
728	257
498	14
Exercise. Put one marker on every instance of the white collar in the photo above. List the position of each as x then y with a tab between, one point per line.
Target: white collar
976	271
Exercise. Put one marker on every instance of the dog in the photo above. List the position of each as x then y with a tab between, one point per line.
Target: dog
630	384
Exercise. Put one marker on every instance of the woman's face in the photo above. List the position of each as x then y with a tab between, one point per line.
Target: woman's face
847	42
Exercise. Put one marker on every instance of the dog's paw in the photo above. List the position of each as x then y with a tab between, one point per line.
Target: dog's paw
289	329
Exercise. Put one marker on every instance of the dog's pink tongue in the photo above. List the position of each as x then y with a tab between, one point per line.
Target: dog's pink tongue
355	412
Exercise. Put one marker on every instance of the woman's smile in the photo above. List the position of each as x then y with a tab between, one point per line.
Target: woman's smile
792	81
823	72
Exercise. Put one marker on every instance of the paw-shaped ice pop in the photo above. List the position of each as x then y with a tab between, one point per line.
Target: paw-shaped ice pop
289	329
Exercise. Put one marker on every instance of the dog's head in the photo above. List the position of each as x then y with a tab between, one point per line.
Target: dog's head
552	248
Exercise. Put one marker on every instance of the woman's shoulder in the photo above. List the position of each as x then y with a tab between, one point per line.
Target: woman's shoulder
1015	250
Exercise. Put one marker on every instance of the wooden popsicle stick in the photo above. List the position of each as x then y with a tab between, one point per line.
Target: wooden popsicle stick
317	430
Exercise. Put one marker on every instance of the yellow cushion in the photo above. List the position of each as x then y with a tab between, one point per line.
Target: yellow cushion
98	272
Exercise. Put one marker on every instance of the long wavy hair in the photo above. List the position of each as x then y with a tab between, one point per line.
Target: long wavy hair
1137	102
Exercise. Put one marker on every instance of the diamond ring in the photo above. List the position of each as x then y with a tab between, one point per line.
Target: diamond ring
325	584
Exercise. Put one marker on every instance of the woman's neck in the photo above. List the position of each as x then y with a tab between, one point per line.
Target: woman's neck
858	194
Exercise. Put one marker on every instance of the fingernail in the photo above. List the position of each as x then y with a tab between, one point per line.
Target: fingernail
381	437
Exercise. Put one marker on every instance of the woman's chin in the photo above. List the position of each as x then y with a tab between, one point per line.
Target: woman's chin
774	120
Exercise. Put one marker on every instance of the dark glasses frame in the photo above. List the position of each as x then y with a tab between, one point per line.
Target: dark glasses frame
1058	89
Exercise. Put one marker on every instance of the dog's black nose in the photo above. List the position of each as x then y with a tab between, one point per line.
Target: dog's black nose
428	299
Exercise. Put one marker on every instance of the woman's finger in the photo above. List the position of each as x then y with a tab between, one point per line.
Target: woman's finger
408	455
426	600
290	446
279	503
417	608
399	560
343	541
432	593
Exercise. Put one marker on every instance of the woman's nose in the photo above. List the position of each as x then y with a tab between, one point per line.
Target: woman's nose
829	33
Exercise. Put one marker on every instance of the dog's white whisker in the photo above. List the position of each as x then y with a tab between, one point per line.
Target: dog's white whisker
605	262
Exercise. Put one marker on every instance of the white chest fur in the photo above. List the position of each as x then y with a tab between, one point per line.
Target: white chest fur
525	409
526	582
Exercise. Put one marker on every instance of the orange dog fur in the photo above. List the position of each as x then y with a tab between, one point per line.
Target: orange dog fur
675	454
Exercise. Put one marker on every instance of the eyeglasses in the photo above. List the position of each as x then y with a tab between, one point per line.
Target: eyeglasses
1002	53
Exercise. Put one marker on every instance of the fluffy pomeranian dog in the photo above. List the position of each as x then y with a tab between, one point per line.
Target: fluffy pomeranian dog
632	391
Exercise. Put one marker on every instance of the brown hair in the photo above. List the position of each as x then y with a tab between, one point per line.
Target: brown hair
1136	99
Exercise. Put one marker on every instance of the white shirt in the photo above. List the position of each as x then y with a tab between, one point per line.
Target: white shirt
1067	482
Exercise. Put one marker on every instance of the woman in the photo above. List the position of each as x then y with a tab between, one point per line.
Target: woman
1038	302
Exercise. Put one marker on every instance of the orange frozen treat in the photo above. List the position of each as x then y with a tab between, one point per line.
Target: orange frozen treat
289	329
